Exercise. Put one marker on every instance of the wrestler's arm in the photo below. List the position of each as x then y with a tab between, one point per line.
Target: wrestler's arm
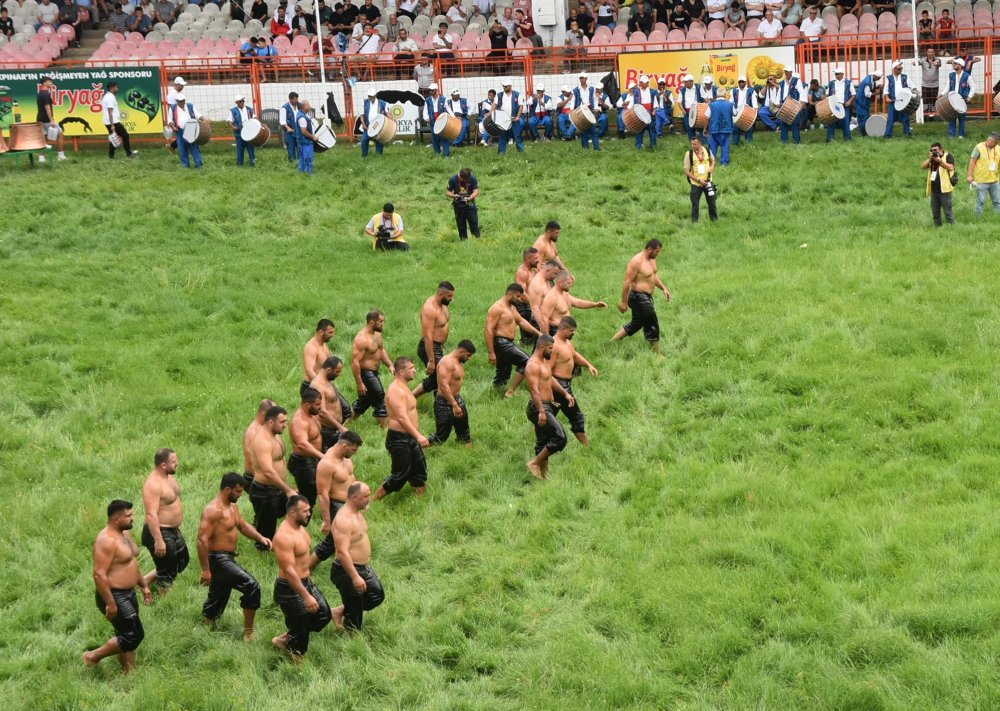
492	317
248	530
357	352
151	502
427	318
578	359
584	304
630	271
323	481
444	378
104	554
209	518
300	438
524	323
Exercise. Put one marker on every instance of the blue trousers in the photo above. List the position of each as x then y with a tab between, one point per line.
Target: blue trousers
863	113
767	118
960	123
516	128
844	125
566	127
589	136
440	145
737	133
639	137
661	119
365	142
717	141
602	125
306	154
242	146
897	116
691	132
185	149
795	131
291	145
621	123
545	123
463	133
483	136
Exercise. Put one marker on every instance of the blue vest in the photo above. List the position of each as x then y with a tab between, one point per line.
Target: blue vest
433	108
578	98
368	105
790	89
903	81
963	84
535	106
464	106
237	118
653	93
300	137
749	96
848	91
514	102
290	112
704	96
483	112
721	119
864	102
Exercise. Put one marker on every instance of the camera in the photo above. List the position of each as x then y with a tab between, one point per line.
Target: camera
383	234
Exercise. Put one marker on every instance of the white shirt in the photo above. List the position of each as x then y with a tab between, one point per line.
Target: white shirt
455	106
244	114
603	102
110	101
769	30
690	97
773	95
369	44
485	7
739	99
455	13
373	112
358	31
304	123
716	8
407	45
183	115
812	28
838	91
645	97
172	96
543	105
409	5
439	43
755	8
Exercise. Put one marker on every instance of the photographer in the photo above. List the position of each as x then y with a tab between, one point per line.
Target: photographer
941	179
698	166
386	230
463	189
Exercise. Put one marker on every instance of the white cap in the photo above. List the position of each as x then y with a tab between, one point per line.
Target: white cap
897	63
795	75
959	61
433	86
631	85
789	70
583	75
240	98
180	96
371	92
599	85
643	79
539	87
707	80
838	70
877	73
180	80
506	82
688	77
565	89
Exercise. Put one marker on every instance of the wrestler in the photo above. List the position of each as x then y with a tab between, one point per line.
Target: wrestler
303	605
641	280
161	531
558	301
565	361
403	439
269	489
366	355
502	321
220	521
306	443
538	287
116	575
316	350
526	270
334	408
334	475
434	321
546	244
550	437
248	436
450	410
359	586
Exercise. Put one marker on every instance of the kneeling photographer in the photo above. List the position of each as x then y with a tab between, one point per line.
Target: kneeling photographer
698	166
941	180
386	230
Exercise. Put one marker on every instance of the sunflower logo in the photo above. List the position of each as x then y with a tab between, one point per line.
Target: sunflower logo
397	112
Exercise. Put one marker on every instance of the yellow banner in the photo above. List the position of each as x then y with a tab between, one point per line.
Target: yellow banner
725	66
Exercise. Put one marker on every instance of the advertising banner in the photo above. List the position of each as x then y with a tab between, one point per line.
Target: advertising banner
725	66
77	96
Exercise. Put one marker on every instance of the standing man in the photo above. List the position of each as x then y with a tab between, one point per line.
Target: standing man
403	439
940	167
367	353
161	532
565	360
538	288
434	106
304	129
602	106
689	97
510	101
450	410
843	92
116	575
646	97
558	302
720	128
501	325
269	489
741	96
248	435
316	351
334	476
698	167
463	189
352	573
303	605
960	80
790	88
984	174
289	111
868	92
897	80
642	278
583	95
334	408
540	110
664	109
525	271
239	115
550	437
220	521
372	109
459	107
306	444
434	320
180	114
113	122
930	77
548	251
47	117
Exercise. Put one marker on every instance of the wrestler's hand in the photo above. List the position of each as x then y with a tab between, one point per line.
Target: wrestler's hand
593	370
266	542
543	418
206	577
311	604
456	410
159	549
147	596
623	307
362	390
602	304
666	294
431	367
359	584
423	442
325	528
111	611
571	400
493	358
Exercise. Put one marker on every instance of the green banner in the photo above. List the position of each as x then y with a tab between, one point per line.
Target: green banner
77	96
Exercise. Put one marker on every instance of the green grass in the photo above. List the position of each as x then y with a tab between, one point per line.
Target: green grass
794	508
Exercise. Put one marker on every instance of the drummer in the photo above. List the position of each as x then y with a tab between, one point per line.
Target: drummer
689	97
459	106
305	135
372	109
960	80
540	109
707	92
484	110
790	88
644	96
841	91
564	106
741	96
720	129
603	107
769	97
869	89
895	82
434	106
664	108
289	110
239	115
177	88
510	101
180	113
584	95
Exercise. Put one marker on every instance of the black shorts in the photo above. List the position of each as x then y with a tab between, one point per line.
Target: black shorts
304	470
374	398
128	626
430	383
228	575
326	548
551	435
174	561
408	462
298	621
643	316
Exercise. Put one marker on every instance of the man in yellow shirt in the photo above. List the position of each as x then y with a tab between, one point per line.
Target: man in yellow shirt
940	167
984	172
386	230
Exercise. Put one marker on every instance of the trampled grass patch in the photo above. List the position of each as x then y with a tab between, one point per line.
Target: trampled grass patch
793	508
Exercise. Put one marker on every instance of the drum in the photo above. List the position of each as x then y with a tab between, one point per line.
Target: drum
829	111
636	119
950	106
27	137
382	129
875	125
205	131
698	116
53	132
497	124
323	139
168	133
583	119
996	103
448	127
746	118
255	133
789	111
115	140
907	101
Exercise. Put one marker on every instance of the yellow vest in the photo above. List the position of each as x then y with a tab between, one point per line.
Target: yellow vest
983	174
946	186
707	163
395	226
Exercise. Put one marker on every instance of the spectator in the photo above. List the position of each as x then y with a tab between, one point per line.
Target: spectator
265	55
585	20
498	39
848	7
930	74
248	51
443	42
606	14
303	24
258	10
945	26
351	14
483	7
140	23
410	8
370	40
695	9
392	28
735	17
791	13
358	32
755	9
406	48
119	19
325	13
48	14
87	6
436	8
70	15
883	6
456	13
508	21
423	74
813	27
341	29
680	20
660	11
236	11
6	24
526	29
371	13
776	6
925	26
280	26
572	17
574	39
641	20
769	30
716	9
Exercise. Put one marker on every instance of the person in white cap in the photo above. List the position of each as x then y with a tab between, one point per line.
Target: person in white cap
790	88
895	82
305	137
509	101
740	97
175	89
842	91
688	94
645	96
434	106
707	92
960	81
239	115
372	108
113	121
664	108
603	107
540	110
564	106
180	114
584	95
459	106
289	110
868	92
485	106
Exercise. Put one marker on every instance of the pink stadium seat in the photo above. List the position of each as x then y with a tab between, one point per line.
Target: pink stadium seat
675	36
135	37
751	26
523	47
301	45
734	34
790	32
602	31
386	52
661	27
717	25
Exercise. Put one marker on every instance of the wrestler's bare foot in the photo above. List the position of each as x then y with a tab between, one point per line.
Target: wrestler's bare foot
281	641
248	634
338	617
468	445
90	659
509	394
536	471
208	621
380	493
583	438
419	490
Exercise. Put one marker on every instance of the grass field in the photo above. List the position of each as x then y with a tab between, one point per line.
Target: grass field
795	508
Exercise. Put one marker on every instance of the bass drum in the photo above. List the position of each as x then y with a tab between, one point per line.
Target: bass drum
875	125
382	129
950	106
829	111
497	124
583	119
448	127
255	133
323	139
745	118
636	119
789	111
698	116
907	101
